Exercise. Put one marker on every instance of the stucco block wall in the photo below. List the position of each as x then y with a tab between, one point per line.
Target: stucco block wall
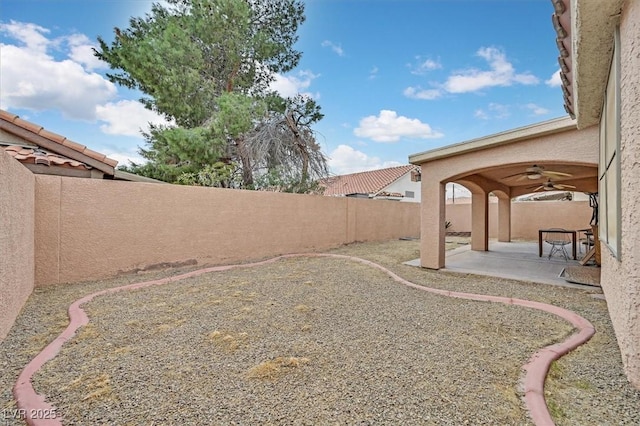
621	278
526	217
90	229
379	220
16	239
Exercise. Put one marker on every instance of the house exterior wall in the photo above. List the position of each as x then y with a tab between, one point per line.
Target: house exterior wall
526	217
16	239
405	184
621	278
91	229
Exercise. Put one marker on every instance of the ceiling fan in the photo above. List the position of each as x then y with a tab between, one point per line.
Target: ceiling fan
537	172
552	186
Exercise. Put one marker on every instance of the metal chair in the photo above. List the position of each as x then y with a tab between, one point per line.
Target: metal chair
558	239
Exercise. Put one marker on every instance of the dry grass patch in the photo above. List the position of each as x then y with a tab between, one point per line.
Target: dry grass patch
303	308
275	368
96	387
228	341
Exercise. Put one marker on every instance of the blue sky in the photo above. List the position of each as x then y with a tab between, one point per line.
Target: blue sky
393	77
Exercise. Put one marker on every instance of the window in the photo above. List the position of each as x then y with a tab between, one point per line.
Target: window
609	167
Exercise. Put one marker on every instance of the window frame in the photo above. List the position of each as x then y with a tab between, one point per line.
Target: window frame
609	187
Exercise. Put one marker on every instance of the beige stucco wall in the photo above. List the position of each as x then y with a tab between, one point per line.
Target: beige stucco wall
88	229
526	217
16	239
621	278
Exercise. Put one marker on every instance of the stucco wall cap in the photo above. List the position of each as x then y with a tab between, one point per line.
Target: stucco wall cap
557	125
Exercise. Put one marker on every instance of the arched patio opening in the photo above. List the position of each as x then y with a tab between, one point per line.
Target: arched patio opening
508	165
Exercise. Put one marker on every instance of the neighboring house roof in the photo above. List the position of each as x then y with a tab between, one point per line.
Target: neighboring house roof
40	156
42	151
370	183
51	142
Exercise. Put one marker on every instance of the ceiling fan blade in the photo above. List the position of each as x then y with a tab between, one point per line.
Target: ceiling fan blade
563	186
555	174
514	175
538	188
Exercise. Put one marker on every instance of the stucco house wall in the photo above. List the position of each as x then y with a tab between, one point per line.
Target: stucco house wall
620	278
403	185
16	239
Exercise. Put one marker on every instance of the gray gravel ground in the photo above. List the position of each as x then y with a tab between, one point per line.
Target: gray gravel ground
315	341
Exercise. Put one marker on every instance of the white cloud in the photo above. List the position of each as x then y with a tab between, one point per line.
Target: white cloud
290	85
554	80
31	35
481	114
494	110
388	126
420	93
126	118
501	73
536	109
335	47
423	66
81	51
32	79
344	160
373	73
124	158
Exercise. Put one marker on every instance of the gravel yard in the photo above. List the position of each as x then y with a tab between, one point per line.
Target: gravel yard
315	341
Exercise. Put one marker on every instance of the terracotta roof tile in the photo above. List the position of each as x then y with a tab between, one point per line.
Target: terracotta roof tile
7	116
27	125
40	156
58	139
52	136
74	145
93	154
370	182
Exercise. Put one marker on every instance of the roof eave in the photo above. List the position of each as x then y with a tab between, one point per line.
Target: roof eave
557	125
592	26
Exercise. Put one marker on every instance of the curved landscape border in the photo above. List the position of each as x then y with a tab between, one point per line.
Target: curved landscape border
35	408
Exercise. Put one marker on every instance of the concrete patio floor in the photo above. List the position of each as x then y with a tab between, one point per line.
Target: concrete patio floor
517	260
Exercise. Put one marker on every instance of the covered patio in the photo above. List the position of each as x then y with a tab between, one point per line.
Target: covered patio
507	164
519	260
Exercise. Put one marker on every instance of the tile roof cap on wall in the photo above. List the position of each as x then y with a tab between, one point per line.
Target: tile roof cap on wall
370	182
13	123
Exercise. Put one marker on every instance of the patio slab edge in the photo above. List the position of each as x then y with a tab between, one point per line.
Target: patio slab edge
33	404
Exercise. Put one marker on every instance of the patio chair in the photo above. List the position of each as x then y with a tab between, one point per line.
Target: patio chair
585	240
558	241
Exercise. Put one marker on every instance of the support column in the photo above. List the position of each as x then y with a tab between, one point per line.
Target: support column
504	219
479	221
432	232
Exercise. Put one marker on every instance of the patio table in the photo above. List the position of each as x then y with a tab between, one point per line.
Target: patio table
557	231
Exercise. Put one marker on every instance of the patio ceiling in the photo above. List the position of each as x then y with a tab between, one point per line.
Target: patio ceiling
583	177
488	164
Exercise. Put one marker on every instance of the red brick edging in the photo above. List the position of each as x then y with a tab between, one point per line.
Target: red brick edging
35	409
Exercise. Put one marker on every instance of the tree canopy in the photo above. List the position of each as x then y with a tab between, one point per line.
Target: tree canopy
207	65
